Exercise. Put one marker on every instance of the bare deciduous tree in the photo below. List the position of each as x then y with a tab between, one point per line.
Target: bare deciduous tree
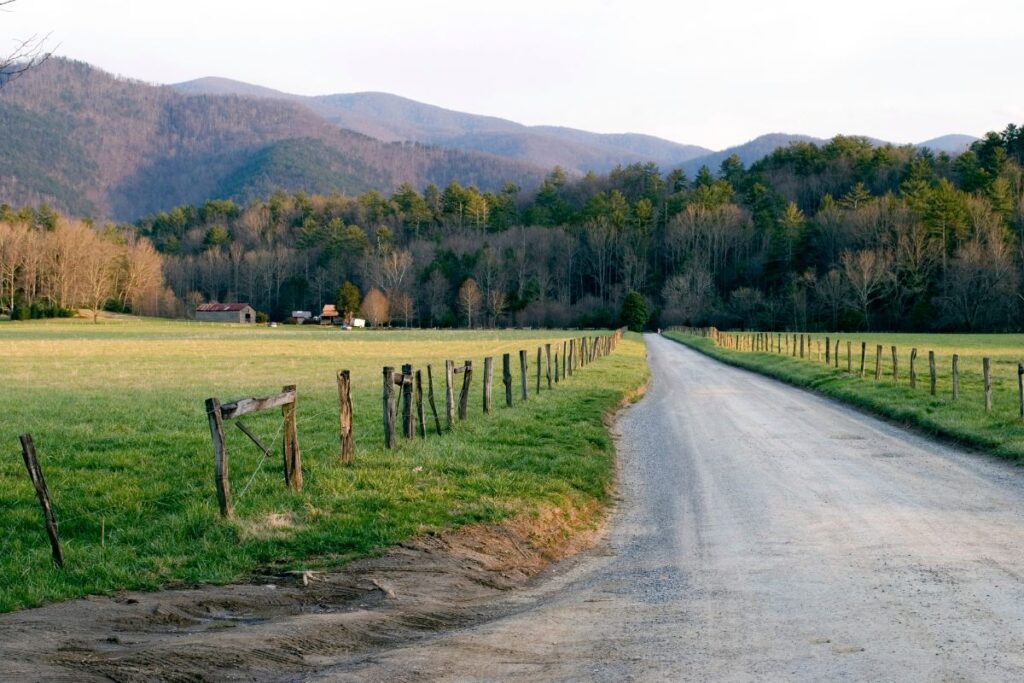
28	53
469	299
868	274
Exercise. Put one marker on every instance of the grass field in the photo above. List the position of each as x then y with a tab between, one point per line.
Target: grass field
965	420
116	410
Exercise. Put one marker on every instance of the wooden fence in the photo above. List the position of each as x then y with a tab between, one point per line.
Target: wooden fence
779	343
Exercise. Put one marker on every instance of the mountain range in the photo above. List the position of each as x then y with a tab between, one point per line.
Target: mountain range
96	144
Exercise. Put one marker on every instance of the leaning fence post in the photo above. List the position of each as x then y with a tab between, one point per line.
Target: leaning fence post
345	416
220	458
878	362
408	428
390	410
449	392
35	473
488	381
467	378
913	371
931	371
956	376
430	398
986	369
292	454
522	372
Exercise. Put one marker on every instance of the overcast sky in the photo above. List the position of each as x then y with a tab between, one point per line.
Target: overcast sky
713	73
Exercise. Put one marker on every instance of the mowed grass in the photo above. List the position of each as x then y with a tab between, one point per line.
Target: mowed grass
965	420
117	414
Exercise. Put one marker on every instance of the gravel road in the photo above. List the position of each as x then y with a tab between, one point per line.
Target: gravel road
764	534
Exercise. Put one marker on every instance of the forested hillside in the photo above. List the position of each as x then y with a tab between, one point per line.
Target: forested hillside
842	235
97	145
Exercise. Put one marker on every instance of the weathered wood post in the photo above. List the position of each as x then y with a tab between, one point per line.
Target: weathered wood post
828	351
1020	388
430	398
802	345
931	371
878	362
571	356
835	354
408	426
538	369
564	356
488	382
421	422
347	443
35	473
913	370
506	377
849	357
863	356
522	373
449	393
220	458
956	376
778	344
292	454
467	379
390	410
547	351
986	370
556	365
895	367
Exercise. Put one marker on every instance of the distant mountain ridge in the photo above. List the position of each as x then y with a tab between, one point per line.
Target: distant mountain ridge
94	144
393	119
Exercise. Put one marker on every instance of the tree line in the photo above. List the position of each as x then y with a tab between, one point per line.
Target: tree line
843	235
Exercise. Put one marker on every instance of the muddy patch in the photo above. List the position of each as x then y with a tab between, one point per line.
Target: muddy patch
282	625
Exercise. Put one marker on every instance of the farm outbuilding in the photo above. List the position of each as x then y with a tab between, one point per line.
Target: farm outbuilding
226	313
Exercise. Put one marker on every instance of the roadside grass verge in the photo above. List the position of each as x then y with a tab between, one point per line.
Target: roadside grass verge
965	421
117	414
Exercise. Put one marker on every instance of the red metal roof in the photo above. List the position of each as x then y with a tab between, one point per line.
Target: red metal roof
220	308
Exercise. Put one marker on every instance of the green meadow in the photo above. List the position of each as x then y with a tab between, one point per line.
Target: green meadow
116	411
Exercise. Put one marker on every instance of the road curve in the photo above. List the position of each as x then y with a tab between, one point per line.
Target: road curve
764	533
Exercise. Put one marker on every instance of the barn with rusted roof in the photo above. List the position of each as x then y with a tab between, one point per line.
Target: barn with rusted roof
225	313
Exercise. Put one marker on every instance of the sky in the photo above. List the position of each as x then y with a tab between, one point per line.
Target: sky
713	73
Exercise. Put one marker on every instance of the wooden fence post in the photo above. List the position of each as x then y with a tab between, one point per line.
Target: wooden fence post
895	368
1020	388
538	369
571	356
556	365
506	377
913	370
828	351
292	454
835	354
35	473
467	379
547	351
488	381
421	421
849	358
345	416
220	458
956	376
931	371
802	345
449	393
863	355
408	427
878	362
430	398
388	398
522	373
564	349
986	370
